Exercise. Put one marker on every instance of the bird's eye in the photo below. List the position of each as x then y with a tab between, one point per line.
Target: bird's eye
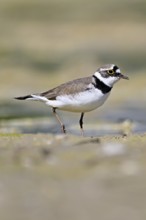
111	71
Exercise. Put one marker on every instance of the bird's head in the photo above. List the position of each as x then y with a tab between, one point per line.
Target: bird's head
109	74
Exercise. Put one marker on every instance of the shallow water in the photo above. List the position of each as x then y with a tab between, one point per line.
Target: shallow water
39	120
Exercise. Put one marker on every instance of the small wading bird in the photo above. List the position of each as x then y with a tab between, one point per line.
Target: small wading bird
80	95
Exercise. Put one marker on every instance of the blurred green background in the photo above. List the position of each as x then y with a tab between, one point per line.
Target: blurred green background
44	43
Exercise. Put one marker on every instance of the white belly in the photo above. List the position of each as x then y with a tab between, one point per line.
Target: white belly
83	102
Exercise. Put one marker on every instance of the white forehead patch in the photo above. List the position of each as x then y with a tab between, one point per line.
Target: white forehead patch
118	71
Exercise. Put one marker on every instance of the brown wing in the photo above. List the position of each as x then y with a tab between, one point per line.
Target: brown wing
71	87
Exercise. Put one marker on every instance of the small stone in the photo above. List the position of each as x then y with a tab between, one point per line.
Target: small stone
113	149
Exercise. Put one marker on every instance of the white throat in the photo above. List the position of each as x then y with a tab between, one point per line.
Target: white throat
109	81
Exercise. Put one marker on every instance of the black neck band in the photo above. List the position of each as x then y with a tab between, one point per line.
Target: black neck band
100	85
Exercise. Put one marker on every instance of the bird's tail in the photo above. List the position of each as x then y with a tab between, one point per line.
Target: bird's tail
35	97
27	97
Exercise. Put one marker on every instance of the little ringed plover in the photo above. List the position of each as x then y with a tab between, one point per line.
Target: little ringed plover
80	95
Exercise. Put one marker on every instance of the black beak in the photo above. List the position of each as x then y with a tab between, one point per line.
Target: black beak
123	77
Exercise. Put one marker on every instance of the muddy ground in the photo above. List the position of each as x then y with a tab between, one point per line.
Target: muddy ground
70	177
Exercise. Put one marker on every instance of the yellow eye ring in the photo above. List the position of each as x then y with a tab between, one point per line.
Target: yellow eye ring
111	71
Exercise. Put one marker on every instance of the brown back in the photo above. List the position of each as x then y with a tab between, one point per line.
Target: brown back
71	87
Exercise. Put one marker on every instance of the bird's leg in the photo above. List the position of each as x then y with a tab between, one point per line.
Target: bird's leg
58	119
81	123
